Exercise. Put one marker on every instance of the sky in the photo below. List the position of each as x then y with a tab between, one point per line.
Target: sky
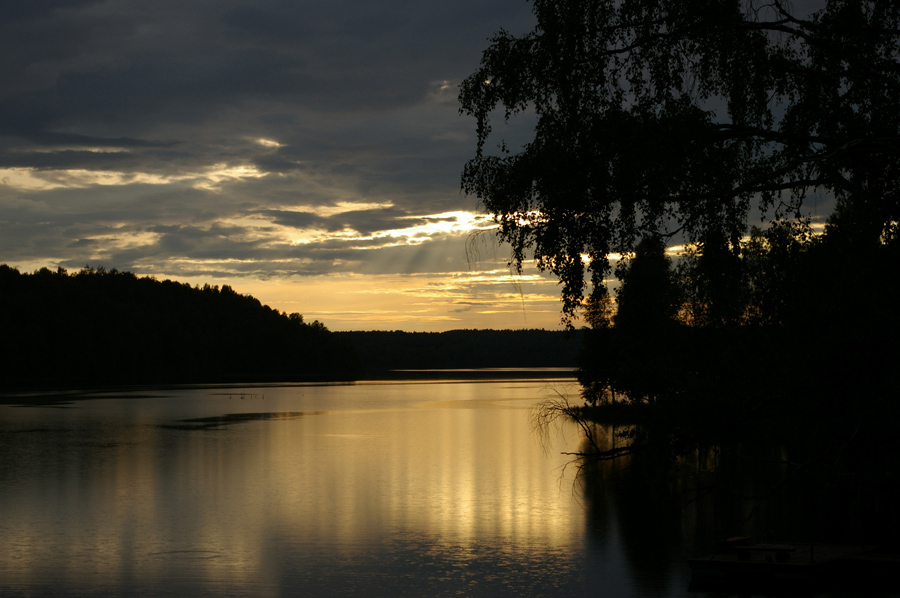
304	152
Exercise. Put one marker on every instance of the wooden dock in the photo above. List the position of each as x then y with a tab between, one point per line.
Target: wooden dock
807	568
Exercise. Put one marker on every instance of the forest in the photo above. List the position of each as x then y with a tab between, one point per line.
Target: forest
98	327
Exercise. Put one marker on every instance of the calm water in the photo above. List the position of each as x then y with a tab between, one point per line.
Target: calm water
371	489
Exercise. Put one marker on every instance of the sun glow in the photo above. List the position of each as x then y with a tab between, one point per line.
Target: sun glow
436	224
412	302
426	227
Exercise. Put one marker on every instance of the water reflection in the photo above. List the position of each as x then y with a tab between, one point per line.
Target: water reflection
663	511
387	489
354	490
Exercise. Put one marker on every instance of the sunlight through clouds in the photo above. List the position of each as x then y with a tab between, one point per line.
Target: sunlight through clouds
427	302
273	159
446	223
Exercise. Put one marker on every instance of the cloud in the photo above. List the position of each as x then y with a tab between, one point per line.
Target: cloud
224	139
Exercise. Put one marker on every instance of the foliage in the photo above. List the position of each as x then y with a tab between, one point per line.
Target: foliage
658	118
663	122
628	350
649	298
98	327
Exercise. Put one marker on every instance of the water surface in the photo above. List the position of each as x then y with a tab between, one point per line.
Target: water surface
368	489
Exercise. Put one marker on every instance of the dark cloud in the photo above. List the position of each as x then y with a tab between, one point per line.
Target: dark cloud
17	11
201	137
68	159
299	220
133	63
367	222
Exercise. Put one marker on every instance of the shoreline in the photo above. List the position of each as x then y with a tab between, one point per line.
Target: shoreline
55	397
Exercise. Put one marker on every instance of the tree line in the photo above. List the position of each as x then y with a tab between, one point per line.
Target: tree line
793	322
106	327
465	349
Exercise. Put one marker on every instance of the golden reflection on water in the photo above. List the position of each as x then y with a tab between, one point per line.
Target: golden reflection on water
118	494
461	473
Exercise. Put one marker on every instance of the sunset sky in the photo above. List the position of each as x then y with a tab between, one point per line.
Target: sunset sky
305	152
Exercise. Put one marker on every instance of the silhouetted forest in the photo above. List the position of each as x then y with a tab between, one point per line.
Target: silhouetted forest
380	350
792	329
98	327
720	128
102	327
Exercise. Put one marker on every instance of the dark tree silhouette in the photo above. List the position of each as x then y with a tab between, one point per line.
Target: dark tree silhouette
679	119
665	117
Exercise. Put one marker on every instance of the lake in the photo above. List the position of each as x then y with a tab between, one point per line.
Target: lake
400	488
